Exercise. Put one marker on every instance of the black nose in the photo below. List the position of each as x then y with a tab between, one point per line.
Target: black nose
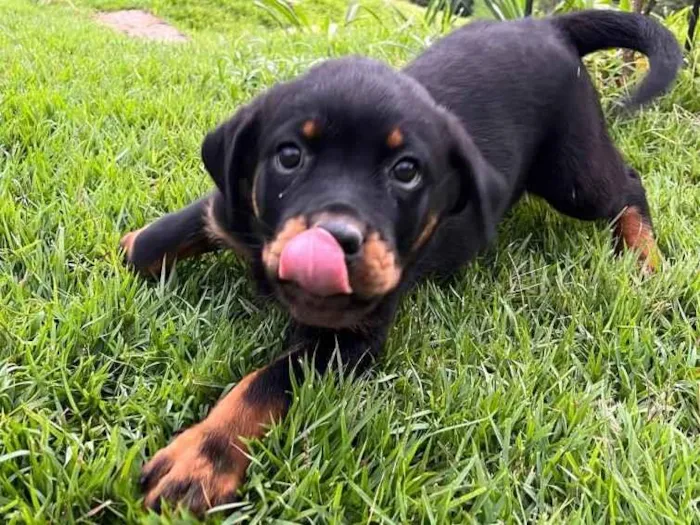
346	233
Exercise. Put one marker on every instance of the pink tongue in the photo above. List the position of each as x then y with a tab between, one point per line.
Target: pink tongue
316	262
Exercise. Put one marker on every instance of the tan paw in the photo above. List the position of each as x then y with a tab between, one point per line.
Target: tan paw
127	242
199	470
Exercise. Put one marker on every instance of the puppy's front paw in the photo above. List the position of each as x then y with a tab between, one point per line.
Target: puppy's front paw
205	465
135	256
127	243
199	470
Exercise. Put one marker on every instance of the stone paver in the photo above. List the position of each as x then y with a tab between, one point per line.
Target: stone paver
140	24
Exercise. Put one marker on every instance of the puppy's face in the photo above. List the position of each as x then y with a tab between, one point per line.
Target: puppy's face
342	177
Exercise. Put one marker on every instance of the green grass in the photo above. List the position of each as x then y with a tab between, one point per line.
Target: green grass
237	16
548	383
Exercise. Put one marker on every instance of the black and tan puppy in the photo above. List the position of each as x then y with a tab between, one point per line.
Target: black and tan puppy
346	185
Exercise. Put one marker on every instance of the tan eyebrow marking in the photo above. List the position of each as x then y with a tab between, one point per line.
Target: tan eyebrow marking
310	129
395	138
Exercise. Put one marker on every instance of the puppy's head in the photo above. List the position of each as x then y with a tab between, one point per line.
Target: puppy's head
343	176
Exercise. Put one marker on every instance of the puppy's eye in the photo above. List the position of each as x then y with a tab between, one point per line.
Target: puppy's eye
288	157
406	173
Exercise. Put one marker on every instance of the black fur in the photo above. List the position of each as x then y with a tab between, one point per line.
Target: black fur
157	469
606	29
216	448
489	112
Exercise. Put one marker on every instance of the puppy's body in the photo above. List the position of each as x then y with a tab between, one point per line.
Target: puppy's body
345	186
525	98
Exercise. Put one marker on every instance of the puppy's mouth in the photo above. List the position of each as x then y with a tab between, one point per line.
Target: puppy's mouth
331	274
335	311
315	260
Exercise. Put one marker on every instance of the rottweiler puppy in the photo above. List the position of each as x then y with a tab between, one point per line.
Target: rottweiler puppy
345	186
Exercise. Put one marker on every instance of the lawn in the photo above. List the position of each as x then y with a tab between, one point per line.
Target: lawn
549	382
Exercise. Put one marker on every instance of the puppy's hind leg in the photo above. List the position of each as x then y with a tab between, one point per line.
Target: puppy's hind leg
600	186
632	226
580	172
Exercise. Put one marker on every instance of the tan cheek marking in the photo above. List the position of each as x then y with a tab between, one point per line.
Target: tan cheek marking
253	196
426	233
218	234
395	138
273	250
637	235
310	129
378	273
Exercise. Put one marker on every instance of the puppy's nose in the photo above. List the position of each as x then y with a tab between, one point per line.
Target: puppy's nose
348	235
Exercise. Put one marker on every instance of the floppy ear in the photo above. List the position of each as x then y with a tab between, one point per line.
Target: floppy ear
230	151
483	191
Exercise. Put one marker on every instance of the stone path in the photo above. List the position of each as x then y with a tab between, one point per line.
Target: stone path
140	24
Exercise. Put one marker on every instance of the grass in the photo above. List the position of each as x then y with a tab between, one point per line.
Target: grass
240	16
549	383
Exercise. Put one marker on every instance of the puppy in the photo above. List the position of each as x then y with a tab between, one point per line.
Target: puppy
345	186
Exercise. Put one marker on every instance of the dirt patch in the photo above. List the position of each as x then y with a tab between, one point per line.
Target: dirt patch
140	24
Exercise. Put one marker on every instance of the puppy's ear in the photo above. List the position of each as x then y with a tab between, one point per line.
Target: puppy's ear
483	191
230	151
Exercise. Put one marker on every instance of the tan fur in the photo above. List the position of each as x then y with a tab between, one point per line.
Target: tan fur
188	463
638	235
253	196
374	274
127	242
273	250
218	234
378	272
428	230
234	416
310	129
395	138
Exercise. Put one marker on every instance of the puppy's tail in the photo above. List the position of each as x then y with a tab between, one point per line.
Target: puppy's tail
594	30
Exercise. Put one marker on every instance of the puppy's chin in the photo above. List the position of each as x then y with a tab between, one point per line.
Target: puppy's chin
336	311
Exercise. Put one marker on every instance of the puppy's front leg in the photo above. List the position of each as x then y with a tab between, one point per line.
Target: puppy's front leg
206	464
191	231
